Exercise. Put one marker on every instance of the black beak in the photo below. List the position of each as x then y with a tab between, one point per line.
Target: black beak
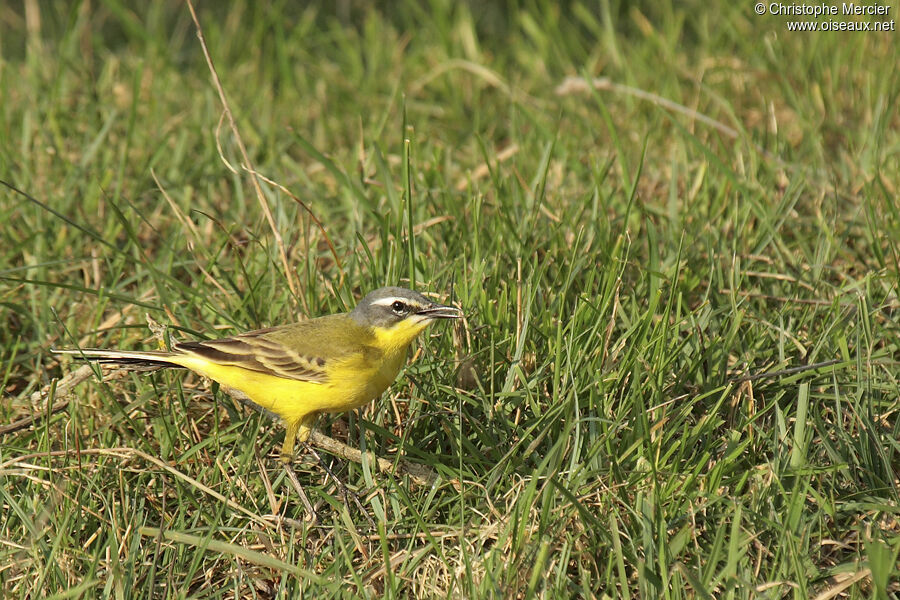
440	311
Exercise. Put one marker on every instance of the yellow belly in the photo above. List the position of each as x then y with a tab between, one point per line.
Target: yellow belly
350	385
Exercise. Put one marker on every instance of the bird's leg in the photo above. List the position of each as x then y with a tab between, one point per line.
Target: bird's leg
287	448
297	430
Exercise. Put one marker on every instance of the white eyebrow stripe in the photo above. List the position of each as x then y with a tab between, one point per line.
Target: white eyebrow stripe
389	300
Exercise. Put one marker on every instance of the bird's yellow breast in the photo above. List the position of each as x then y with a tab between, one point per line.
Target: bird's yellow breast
351	382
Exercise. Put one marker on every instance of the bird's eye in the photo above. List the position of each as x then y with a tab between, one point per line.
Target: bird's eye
398	307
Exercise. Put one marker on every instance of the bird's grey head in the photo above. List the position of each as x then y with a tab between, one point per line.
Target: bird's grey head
387	306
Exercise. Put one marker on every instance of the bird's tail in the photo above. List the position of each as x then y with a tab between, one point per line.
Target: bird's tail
139	361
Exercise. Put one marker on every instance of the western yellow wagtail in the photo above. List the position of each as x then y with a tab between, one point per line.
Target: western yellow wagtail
330	364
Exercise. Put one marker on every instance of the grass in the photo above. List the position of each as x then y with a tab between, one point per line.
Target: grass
616	416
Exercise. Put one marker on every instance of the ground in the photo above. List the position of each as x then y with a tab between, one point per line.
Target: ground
673	229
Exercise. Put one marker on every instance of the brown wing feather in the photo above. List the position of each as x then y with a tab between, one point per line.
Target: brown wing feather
256	353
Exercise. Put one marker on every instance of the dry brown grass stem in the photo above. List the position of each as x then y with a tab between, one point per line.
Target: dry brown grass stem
244	155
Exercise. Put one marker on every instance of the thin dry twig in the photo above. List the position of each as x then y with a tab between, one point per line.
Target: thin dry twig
26	422
842	582
790	371
311	514
312	215
418	474
572	85
246	157
134	452
284	189
186	223
62	388
484	169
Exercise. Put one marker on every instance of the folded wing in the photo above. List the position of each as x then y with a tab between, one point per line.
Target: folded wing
256	352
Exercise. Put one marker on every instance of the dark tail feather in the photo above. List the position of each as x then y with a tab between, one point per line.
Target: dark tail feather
138	361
